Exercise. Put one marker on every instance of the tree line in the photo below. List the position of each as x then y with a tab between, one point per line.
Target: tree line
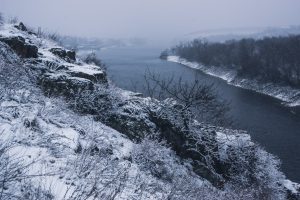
272	59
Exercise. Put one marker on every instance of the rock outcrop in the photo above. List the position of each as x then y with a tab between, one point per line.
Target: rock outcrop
62	84
21	27
69	56
58	74
96	77
23	49
173	127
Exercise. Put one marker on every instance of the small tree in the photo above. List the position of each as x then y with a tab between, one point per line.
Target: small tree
92	58
199	98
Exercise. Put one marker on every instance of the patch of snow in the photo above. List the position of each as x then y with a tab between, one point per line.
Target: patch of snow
9	104
71	137
291	186
87	69
227	75
5	132
80	80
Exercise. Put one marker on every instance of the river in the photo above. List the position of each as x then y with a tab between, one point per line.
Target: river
275	127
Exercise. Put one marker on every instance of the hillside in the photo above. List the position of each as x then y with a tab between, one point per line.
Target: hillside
68	133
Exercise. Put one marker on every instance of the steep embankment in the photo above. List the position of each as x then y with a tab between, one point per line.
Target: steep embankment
290	96
66	133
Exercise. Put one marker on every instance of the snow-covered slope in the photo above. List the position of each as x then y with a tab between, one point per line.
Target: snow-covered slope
50	152
54	143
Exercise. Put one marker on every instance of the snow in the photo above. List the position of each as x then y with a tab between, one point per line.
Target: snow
59	136
291	186
44	48
9	104
9	31
227	75
5	131
42	165
227	140
87	69
47	55
80	80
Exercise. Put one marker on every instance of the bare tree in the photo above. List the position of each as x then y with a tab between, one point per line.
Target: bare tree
195	96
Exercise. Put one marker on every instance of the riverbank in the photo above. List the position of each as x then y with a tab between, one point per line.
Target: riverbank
288	95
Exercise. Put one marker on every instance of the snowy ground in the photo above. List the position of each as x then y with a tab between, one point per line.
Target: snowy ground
58	154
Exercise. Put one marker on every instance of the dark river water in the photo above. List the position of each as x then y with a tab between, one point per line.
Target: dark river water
275	127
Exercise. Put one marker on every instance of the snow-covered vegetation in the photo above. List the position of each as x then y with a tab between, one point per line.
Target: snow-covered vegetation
67	133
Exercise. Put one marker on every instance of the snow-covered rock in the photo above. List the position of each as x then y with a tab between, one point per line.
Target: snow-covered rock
57	66
22	48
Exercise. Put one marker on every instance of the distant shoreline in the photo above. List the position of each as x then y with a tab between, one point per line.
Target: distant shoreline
288	95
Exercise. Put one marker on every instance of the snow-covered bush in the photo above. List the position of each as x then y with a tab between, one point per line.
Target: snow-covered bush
151	156
10	170
15	183
96	174
180	182
268	175
32	191
16	81
98	101
92	58
252	168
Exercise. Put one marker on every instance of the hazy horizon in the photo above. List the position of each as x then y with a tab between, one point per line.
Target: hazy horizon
154	19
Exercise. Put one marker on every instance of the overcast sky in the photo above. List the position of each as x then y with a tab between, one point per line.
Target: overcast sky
150	18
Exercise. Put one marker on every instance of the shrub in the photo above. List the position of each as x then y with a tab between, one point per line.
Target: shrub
201	99
13	20
15	183
97	101
93	59
54	37
253	168
151	156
